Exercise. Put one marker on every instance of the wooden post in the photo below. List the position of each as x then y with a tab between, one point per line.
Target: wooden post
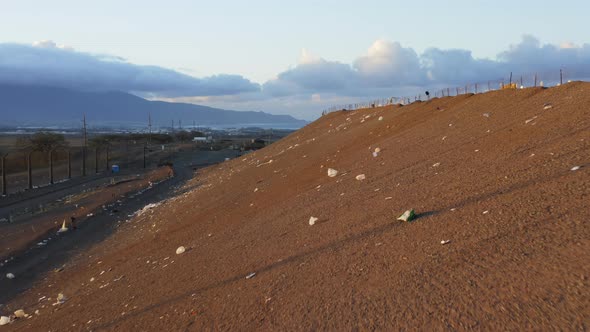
29	170
51	167
560	76
84	161
510	78
69	164
4	175
107	158
448	92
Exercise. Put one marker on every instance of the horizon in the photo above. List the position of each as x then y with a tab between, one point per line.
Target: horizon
295	59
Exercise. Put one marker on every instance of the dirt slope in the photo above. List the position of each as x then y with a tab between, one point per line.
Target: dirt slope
489	172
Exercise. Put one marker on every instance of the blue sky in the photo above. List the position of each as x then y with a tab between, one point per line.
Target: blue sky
258	41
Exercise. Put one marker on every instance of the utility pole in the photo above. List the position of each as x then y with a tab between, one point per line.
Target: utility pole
560	76
84	148
150	128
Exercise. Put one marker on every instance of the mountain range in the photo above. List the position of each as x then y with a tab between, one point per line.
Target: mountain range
53	106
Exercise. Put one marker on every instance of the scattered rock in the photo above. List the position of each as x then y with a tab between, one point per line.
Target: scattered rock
312	220
332	172
360	177
487	115
388	198
4	320
380	118
20	313
436	165
61	298
251	275
547	106
255	189
575	168
486	212
443	242
10	276
408	216
180	250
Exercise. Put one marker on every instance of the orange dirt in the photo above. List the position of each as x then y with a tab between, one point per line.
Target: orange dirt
499	187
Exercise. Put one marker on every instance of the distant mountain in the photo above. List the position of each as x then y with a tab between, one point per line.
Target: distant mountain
51	106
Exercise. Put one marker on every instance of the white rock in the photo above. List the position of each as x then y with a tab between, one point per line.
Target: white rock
360	177
436	165
312	221
20	313
377	150
61	298
4	320
486	212
575	168
10	276
380	118
180	250
255	189
375	154
332	172
443	242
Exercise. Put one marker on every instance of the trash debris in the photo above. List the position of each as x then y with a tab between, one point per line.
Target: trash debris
487	115
388	198
408	216
312	220
180	250
20	313
251	275
575	168
10	276
4	320
255	189
146	208
360	177
436	165
547	106
486	212
332	172
61	298
63	228
443	242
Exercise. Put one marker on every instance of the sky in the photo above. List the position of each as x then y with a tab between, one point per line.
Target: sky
284	57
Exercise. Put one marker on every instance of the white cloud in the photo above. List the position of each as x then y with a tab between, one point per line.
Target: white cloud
46	63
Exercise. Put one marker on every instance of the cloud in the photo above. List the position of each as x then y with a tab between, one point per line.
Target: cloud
46	63
385	69
388	68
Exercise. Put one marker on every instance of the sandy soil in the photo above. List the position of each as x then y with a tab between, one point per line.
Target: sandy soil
491	173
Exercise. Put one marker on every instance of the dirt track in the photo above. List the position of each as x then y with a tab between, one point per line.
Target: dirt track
490	172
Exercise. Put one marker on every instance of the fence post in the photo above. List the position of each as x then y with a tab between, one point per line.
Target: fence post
475	87
84	161
95	160
457	91
69	164
4	175
107	158
510	78
29	170
560	76
51	167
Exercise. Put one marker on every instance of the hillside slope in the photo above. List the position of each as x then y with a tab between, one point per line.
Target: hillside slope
489	172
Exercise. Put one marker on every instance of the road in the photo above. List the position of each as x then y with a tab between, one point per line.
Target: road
34	263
